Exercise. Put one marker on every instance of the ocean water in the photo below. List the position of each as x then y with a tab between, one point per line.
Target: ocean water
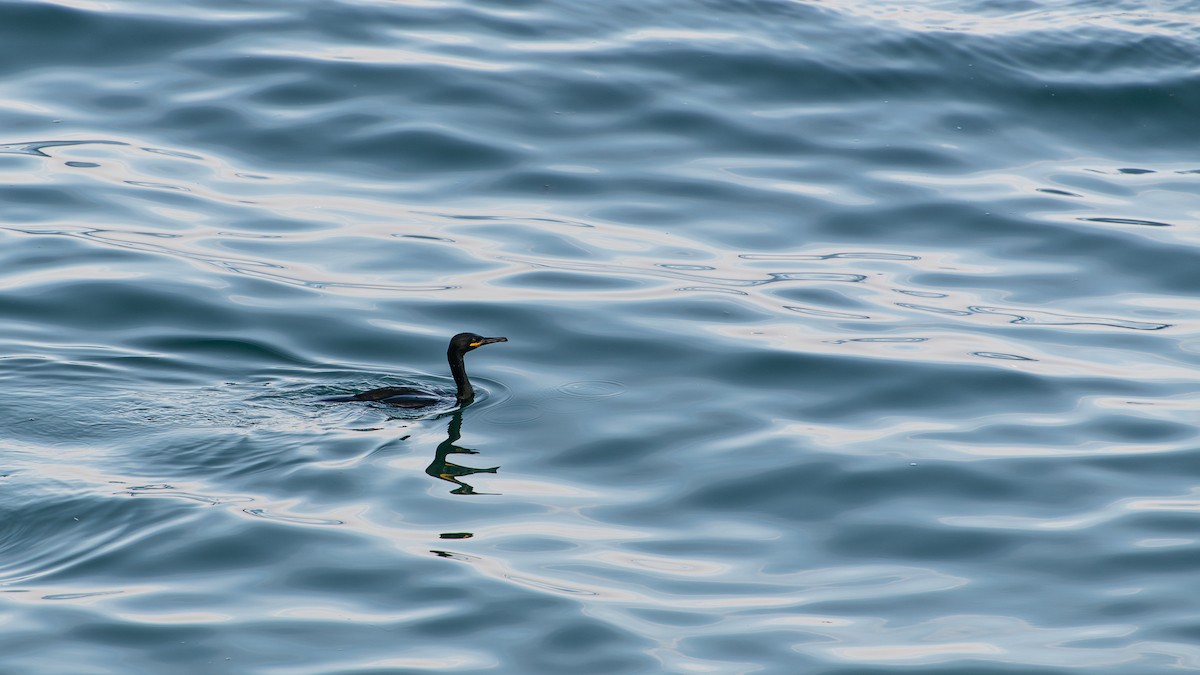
845	338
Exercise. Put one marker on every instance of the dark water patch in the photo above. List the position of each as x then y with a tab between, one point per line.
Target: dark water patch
426	238
273	225
1114	434
34	199
556	183
562	281
223	350
1126	221
49	35
431	150
96	306
1056	191
891	540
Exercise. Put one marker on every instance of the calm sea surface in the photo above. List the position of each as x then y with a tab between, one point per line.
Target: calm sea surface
845	338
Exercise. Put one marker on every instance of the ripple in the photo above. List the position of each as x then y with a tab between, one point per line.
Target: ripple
1056	191
159	186
711	289
824	313
880	339
1002	356
37	148
1029	317
1126	221
592	388
426	238
682	218
171	491
935	310
292	519
830	256
173	153
78	596
71	531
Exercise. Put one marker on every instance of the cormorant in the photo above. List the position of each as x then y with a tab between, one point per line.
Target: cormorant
416	397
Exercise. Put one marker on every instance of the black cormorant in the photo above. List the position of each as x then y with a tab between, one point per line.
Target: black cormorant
417	397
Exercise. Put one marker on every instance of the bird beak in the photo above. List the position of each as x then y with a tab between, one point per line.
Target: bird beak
488	341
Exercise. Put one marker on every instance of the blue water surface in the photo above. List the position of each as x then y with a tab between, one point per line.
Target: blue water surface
844	337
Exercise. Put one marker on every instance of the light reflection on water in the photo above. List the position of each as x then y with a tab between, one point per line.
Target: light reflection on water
843	338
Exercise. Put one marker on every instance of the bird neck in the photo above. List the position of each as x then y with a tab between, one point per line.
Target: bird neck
465	393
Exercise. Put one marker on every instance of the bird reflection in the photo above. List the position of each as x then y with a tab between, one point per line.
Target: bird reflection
442	468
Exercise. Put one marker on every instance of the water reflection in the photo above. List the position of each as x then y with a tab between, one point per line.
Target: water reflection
448	471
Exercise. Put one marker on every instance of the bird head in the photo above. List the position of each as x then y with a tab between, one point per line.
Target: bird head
465	342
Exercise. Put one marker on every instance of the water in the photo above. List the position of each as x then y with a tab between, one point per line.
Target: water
844	337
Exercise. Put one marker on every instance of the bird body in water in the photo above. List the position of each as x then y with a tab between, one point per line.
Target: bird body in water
417	397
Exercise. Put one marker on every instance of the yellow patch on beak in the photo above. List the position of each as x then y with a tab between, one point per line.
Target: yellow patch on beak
476	344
